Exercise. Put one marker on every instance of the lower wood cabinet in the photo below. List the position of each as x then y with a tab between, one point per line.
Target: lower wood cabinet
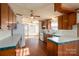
52	48
66	49
9	52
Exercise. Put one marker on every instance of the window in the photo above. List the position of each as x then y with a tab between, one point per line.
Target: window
32	28
54	24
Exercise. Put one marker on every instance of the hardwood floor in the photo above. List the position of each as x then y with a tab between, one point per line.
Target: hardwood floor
36	47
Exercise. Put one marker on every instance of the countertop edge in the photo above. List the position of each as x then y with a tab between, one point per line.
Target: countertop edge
57	43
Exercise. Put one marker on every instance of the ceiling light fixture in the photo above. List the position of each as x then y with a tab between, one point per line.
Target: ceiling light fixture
32	17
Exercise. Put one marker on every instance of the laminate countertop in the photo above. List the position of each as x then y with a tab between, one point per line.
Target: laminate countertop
62	40
64	36
9	42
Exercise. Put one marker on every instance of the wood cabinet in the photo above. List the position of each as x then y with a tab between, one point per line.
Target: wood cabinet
45	38
43	24
60	22
72	19
0	16
10	16
4	15
64	49
9	52
66	21
68	49
14	20
63	22
46	24
52	48
7	16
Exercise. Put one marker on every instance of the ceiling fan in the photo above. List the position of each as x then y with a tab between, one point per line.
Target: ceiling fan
32	15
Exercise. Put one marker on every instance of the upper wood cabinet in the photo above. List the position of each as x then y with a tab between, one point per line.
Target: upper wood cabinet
13	20
10	16
72	18
42	24
0	16
66	21
46	24
63	22
4	15
60	22
7	16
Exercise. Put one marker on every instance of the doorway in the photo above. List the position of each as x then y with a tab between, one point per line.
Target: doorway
32	30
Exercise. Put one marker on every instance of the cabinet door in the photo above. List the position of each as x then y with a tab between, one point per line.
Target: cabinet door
72	19
4	15
65	22
52	48
0	16
60	22
10	18
10	15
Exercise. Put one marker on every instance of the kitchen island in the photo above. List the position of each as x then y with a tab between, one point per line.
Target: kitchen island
63	46
8	43
62	43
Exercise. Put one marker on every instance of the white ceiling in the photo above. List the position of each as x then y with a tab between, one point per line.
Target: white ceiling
45	10
29	6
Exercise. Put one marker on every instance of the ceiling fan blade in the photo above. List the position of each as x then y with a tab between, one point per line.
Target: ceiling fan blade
36	16
19	14
32	15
